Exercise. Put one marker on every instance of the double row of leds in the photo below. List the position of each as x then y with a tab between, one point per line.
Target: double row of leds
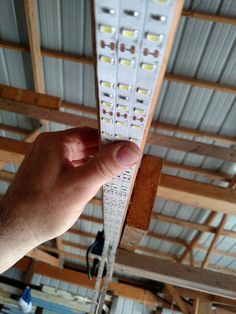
130	40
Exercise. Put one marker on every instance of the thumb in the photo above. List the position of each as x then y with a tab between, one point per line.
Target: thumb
109	162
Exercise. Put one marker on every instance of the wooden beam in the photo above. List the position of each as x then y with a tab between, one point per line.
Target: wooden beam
192	225
6	176
29	97
31	16
39	255
175	274
200	83
81	279
183	307
209	17
198	237
197	194
142	200
12	150
218	234
13	129
9	101
193	147
202	305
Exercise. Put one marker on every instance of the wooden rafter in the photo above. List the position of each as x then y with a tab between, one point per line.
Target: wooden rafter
31	16
217	235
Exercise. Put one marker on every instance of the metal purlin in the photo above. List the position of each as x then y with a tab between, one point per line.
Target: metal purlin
130	43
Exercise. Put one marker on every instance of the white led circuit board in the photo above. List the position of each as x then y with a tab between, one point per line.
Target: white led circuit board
131	37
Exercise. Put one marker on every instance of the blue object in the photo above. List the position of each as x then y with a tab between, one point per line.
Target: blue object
25	301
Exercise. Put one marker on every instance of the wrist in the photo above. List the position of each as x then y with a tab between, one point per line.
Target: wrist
16	238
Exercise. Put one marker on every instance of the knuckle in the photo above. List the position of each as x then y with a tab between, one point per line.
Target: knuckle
103	169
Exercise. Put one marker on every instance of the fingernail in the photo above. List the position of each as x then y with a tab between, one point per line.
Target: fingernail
127	155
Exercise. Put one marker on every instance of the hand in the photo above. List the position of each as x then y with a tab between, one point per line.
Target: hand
55	181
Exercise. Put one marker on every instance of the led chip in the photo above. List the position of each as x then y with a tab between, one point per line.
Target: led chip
157	38
148	66
136	126
106	84
120	137
107	29
106	120
124	97
143	91
139	111
129	33
124	87
106	134
108	95
106	59
122	107
134	140
141	101
162	1
131	13
158	17
126	62
120	123
107	104
108	11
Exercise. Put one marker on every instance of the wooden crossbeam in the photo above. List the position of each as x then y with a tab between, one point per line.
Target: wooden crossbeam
202	305
209	17
183	307
31	16
175	274
118	289
217	235
39	255
142	200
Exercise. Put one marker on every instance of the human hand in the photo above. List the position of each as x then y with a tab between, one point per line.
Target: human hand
55	181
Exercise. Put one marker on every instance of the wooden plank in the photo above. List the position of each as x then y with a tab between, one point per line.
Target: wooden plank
218	234
30	97
196	133
39	255
200	83
198	237
12	129
175	274
192	225
209	17
202	305
75	277
155	139
6	176
142	200
12	150
210	174
197	194
183	307
192	147
31	16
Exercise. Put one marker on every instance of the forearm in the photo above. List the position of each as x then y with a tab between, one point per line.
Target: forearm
15	237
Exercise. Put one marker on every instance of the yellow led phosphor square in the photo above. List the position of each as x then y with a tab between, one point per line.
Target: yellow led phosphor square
107	104
143	91
124	87
157	38
161	1
120	123
129	33
148	66
106	84
106	59
107	29
106	121
122	107
136	126
139	111
126	62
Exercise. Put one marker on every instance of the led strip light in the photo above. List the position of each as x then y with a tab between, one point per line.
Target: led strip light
131	38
